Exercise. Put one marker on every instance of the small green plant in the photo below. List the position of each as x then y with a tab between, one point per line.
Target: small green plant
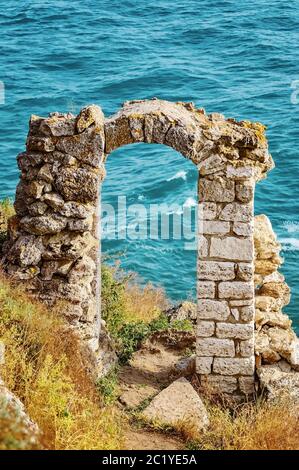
107	386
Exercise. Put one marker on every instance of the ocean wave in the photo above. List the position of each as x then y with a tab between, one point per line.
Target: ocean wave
290	244
182	174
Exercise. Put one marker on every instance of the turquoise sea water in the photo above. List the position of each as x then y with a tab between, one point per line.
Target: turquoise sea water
239	58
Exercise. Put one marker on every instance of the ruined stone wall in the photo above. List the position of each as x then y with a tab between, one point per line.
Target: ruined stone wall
53	242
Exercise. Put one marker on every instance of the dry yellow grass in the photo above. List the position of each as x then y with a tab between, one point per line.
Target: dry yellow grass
144	303
252	426
44	368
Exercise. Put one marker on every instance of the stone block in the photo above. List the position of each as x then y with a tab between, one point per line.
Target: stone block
206	290
204	365
236	212
213	310
231	248
220	384
236	290
244	229
247	313
214	227
205	328
216	270
215	347
234	366
234	330
247	385
216	190
246	348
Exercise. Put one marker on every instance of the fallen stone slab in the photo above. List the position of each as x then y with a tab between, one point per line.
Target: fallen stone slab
177	404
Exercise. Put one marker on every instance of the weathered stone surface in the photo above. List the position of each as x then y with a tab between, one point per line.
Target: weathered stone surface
240	172
234	330
206	290
244	191
207	210
246	348
186	406
215	347
76	210
205	328
87	147
247	385
37	208
247	313
40	144
219	384
26	251
243	229
279	384
231	248
235	290
245	271
204	365
88	116
216	270
68	245
215	227
233	366
213	310
54	200
79	185
236	212
45	224
216	190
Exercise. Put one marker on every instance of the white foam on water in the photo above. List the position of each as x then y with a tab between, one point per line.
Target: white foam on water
179	175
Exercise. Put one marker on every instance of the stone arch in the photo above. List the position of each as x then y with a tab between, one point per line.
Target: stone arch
54	244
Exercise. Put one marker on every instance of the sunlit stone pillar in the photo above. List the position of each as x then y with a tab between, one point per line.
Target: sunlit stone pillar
225	330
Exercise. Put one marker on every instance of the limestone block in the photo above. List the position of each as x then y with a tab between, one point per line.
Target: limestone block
206	290
37	208
234	330
237	212
203	246
207	210
57	125
88	116
244	191
205	328
45	224
213	310
215	347
215	227
27	251
245	271
278	290
247	385
76	209
216	270
87	147
80	225
231	248
220	384
247	313
212	164
246	348
79	184
204	365
54	200
68	245
235	290
240	172
244	229
186	406
216	190
233	366
40	144
45	173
